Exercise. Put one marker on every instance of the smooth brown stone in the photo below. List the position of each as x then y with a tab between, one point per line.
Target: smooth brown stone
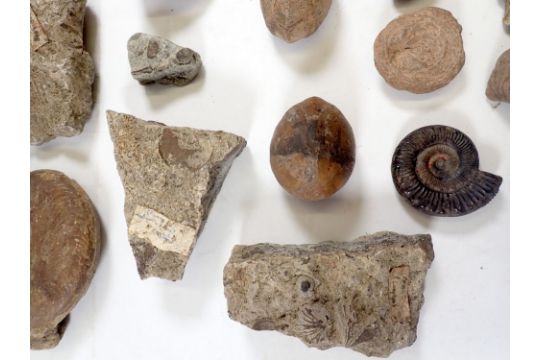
65	242
312	153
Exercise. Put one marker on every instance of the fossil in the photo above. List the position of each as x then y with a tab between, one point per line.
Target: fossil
155	59
292	20
436	169
171	177
312	152
498	88
365	295
61	70
506	18
65	242
420	52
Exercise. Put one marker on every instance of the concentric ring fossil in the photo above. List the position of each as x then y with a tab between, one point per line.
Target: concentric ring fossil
292	20
420	52
436	169
312	153
498	88
65	242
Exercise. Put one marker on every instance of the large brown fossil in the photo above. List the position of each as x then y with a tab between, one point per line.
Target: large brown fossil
420	52
61	70
365	295
65	242
292	20
436	169
498	88
312	153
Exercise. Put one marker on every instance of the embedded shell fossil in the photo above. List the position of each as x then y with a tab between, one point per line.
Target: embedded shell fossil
436	169
420	52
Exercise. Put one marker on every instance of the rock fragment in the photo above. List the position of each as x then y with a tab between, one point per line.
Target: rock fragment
365	295
292	20
61	70
65	242
171	177
498	88
420	52
154	59
506	19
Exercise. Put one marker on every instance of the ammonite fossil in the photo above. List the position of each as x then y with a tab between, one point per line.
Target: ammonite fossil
312	150
292	20
65	242
498	88
436	169
420	52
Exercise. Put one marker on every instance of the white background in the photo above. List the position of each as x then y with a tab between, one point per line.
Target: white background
250	79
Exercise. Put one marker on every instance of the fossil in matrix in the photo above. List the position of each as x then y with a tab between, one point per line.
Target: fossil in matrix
365	295
61	70
171	177
420	52
498	88
155	59
292	20
65	242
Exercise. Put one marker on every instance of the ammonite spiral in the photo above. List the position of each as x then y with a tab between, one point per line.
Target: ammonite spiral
65	242
420	52
436	169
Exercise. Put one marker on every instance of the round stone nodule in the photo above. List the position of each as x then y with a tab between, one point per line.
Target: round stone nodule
312	153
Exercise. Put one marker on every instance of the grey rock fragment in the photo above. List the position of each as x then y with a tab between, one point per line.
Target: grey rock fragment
155	59
171	177
365	295
61	71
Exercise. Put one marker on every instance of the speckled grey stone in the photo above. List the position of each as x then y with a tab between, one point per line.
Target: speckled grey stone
154	59
171	177
365	295
61	70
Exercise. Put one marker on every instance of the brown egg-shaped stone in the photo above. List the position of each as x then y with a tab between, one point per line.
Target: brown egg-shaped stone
65	242
498	88
312	152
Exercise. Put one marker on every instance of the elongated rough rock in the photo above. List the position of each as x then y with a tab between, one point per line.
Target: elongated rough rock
154	59
65	242
61	70
365	295
292	20
171	177
498	88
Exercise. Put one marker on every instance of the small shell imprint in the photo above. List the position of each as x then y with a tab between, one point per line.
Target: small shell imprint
436	169
420	52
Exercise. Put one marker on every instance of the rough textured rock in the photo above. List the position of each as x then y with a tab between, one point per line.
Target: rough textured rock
61	71
292	20
312	153
365	295
65	242
171	177
155	59
498	88
506	18
436	169
420	52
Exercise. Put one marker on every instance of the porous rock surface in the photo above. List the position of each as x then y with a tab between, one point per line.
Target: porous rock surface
61	70
420	52
65	242
292	20
365	295
154	59
498	88
171	177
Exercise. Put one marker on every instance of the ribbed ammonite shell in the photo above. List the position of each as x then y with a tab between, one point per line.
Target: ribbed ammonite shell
436	169
65	242
312	152
420	52
498	88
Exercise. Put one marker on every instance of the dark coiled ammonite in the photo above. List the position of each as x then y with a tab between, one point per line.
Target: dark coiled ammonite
436	169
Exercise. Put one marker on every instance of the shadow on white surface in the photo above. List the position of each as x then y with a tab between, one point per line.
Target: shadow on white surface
170	16
311	54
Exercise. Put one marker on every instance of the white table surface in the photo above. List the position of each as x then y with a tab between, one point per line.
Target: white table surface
250	79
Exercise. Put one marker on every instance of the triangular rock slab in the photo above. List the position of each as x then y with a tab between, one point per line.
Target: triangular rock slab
365	295
171	177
